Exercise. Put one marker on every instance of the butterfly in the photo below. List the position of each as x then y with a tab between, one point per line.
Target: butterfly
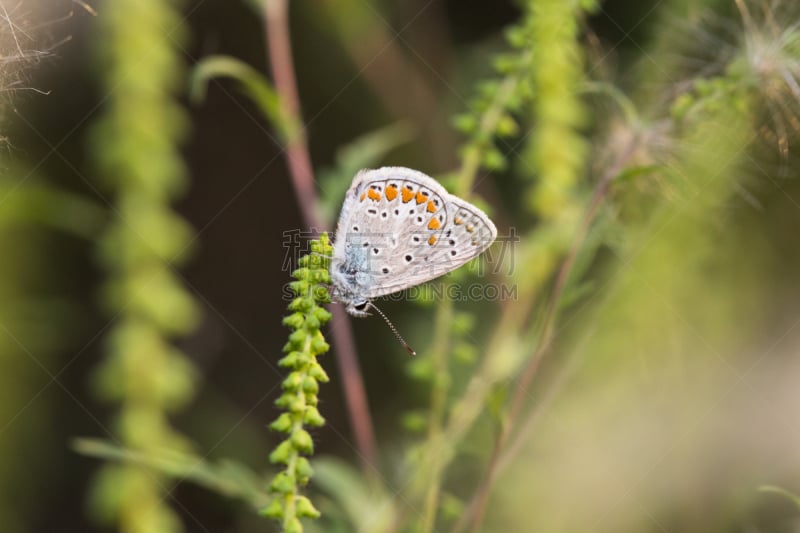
399	228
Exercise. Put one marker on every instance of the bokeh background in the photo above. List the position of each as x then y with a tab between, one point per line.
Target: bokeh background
669	391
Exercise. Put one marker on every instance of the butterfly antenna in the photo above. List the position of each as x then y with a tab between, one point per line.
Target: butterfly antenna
394	329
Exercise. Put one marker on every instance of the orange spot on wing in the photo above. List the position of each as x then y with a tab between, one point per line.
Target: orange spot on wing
431	206
432	240
421	197
391	192
470	228
458	221
433	224
363	195
374	195
408	194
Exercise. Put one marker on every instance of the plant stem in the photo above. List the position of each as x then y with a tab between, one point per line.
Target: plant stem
546	338
472	160
441	385
279	51
477	507
378	52
353	386
465	179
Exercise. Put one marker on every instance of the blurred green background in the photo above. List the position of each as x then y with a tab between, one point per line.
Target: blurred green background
669	392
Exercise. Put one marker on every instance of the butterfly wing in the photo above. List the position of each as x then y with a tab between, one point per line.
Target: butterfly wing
400	228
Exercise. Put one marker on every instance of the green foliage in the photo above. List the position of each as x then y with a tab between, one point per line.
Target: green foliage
364	503
768	489
364	152
252	83
34	322
490	114
227	477
557	151
299	399
647	331
540	77
138	156
50	207
541	83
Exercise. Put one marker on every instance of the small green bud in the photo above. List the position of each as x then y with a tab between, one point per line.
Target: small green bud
507	126
323	315
273	510
297	360
465	123
282	453
311	324
517	37
293	381
305	508
282	424
321	295
464	352
282	484
320	276
298	337
421	368
296	405
300	304
319	346
506	63
303	470
415	421
318	245
295	320
299	287
310	385
301	274
316	371
590	6
312	417
301	440
289	361
291	403
494	160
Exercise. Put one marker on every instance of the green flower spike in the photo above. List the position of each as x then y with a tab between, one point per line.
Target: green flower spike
299	399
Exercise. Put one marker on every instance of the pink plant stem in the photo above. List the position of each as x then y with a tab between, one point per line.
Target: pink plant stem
279	51
353	385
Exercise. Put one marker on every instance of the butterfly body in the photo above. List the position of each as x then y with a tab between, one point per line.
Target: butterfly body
399	228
